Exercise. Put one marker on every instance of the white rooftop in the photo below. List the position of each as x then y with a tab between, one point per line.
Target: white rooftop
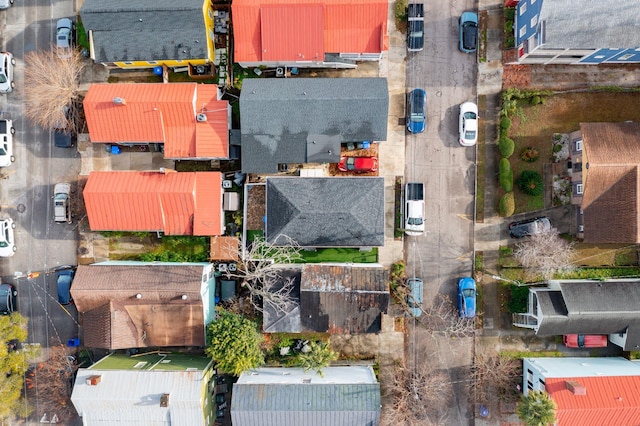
332	375
585	367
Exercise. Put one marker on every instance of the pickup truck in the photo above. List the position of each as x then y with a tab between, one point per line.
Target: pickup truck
414	208
415	31
62	203
6	143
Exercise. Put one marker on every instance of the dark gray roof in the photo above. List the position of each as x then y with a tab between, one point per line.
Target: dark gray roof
591	307
305	404
277	321
326	212
145	30
278	115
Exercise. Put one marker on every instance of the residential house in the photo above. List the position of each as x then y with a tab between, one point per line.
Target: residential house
309	33
325	211
587	391
185	203
576	32
586	307
140	304
152	389
305	120
333	298
187	121
605	165
342	396
149	33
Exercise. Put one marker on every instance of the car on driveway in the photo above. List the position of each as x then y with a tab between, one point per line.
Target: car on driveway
7	61
64	280
417	111
469	32
524	228
7	242
62	138
5	4
414	299
8	295
585	340
358	164
468	124
64	38
467	297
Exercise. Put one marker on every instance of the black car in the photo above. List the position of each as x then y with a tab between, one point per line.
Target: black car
524	228
8	295
62	138
468	32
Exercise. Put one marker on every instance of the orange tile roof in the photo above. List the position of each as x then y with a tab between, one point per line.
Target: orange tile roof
186	203
160	113
608	401
282	30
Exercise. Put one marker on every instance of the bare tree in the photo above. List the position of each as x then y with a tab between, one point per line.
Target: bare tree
442	317
545	254
52	91
493	380
260	269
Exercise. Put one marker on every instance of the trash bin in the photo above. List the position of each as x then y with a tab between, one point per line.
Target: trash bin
157	70
72	343
115	149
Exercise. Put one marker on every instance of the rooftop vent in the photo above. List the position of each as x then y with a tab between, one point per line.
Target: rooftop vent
93	380
164	400
119	101
201	117
575	387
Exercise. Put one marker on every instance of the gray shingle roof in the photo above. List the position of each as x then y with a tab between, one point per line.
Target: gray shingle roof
326	212
591	307
277	115
146	30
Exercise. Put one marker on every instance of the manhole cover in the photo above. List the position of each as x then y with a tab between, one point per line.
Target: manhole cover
21	208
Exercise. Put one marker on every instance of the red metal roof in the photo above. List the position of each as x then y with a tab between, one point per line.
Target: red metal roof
282	30
608	401
160	113
186	203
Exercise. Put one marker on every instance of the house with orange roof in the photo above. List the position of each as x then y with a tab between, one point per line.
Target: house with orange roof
189	120
309	33
186	203
587	391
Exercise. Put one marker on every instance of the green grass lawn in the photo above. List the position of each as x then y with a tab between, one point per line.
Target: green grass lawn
340	255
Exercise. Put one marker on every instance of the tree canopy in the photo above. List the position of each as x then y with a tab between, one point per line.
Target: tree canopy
537	409
13	364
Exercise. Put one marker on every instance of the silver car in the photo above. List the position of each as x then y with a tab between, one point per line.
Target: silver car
7	62
64	37
5	4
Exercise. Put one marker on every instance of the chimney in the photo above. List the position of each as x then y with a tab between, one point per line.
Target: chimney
575	387
164	400
93	380
119	101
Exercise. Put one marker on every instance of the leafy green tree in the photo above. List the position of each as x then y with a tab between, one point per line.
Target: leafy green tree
531	183
537	409
234	343
317	357
13	364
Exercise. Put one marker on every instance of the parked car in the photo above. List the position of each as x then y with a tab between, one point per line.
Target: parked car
64	37
8	295
524	228
65	278
6	143
467	297
5	4
63	138
7	242
468	124
417	111
7	61
415	24
62	203
585	340
358	164
414	299
469	32
414	208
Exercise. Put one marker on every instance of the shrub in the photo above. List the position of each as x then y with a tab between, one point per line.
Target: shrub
519	299
529	154
401	10
506	182
531	183
505	123
504	166
507	204
506	146
536	100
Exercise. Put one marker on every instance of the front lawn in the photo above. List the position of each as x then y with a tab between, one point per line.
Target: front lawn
348	255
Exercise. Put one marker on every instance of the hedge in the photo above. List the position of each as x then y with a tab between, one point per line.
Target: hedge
507	205
506	146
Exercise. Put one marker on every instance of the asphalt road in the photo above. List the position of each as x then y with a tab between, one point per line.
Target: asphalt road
445	252
26	192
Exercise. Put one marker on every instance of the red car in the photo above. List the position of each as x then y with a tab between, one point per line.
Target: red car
585	340
358	164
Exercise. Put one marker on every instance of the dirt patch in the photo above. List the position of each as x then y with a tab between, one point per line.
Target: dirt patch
256	203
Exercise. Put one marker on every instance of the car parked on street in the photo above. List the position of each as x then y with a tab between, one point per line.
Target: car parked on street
5	4
468	124
415	24
358	164
524	228
64	281
585	340
64	37
7	241
8	294
6	142
7	61
417	111
467	297
414	299
63	138
469	32
62	203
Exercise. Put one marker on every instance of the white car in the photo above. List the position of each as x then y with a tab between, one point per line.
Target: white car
6	142
5	4
468	124
7	243
7	62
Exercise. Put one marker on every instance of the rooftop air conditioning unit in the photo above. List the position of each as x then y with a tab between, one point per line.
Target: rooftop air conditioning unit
280	72
201	117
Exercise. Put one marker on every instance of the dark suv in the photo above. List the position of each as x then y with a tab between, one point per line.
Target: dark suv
8	295
524	228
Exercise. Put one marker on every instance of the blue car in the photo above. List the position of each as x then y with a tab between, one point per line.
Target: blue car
467	297
414	299
65	278
417	111
469	32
